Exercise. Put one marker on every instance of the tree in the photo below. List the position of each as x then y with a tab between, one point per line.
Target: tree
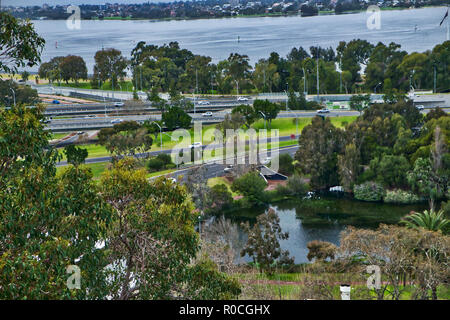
25	76
152	256
286	166
126	138
349	166
220	198
248	112
269	109
424	180
263	243
75	155
319	145
252	186
47	222
431	220
321	250
390	170
175	117
51	70
435	113
359	102
109	65
20	45
22	94
73	68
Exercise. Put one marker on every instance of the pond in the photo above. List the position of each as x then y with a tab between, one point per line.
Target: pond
323	218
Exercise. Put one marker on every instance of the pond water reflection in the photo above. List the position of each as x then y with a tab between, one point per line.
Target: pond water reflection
323	219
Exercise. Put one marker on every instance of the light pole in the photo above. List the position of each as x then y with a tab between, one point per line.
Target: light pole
237	89
104	101
160	133
296	115
264	116
375	89
14	96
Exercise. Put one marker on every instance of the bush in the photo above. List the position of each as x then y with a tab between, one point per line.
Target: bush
155	164
400	196
251	186
369	191
166	158
285	164
220	197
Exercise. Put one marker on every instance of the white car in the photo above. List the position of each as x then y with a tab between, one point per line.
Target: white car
204	103
173	180
324	110
119	104
228	168
266	160
116	121
207	114
242	99
420	107
195	145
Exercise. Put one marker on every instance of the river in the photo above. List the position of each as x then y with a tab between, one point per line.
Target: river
323	219
258	36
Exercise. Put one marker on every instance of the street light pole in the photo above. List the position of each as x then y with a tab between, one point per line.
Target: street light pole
160	133
375	89
264	116
14	96
296	115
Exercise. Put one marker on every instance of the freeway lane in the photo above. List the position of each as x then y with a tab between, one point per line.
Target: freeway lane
105	122
166	151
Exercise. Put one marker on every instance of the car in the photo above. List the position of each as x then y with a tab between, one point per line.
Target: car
80	132
46	120
173	180
91	116
323	110
242	99
195	145
267	160
207	114
420	107
56	102
228	168
119	104
203	102
114	121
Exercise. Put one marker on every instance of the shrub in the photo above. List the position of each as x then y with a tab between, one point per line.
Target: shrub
369	191
251	186
166	158
155	164
321	250
297	185
285	164
220	198
400	196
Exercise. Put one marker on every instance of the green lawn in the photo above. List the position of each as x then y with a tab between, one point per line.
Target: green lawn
94	150
55	136
97	168
286	127
292	291
221	180
83	84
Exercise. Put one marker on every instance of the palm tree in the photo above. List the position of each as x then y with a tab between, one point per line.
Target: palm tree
430	220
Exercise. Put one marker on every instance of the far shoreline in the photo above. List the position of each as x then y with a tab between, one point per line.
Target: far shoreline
265	15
